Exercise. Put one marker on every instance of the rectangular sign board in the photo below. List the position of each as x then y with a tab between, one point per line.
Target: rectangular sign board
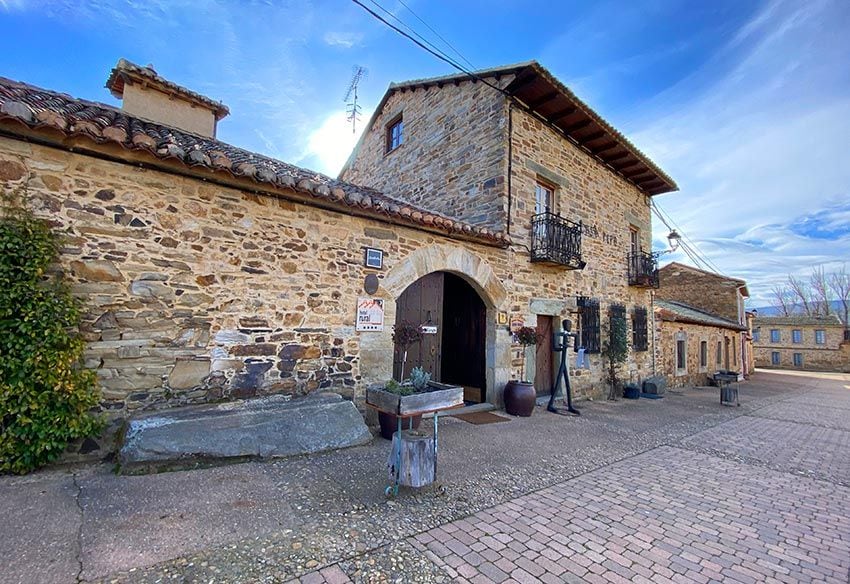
370	314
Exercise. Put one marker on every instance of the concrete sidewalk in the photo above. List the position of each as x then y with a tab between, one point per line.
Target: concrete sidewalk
324	517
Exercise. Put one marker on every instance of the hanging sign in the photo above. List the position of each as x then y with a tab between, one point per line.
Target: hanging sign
370	314
428	329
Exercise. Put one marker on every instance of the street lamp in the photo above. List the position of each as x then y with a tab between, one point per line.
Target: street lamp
674	238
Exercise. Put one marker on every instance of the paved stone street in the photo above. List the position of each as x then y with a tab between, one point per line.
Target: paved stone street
674	490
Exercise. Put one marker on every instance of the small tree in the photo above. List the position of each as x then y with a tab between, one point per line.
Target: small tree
526	336
616	346
45	396
405	335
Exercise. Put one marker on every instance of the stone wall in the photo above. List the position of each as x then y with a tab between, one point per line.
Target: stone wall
453	158
198	292
833	355
475	152
688	286
667	333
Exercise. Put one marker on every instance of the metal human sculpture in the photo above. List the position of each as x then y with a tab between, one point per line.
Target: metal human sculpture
561	343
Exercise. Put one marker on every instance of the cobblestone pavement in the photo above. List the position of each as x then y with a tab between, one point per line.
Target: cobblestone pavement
679	489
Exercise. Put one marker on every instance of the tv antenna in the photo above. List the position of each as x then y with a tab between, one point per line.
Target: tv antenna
352	107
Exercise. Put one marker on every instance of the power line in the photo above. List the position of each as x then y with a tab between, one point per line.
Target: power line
412	30
688	245
437	53
439	36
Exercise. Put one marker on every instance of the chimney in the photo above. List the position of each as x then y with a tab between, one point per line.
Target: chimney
144	94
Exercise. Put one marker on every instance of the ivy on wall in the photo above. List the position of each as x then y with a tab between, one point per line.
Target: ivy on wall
46	397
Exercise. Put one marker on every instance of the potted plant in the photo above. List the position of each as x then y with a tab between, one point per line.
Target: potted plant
410	399
520	396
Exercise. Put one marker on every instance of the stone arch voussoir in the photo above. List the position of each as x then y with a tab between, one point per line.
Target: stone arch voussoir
446	258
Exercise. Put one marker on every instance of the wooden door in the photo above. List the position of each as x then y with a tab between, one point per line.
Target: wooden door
543	376
421	304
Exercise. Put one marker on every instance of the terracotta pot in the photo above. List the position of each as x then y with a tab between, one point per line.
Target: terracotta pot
520	398
389	424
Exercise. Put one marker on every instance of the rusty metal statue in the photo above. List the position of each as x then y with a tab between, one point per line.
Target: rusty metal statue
561	343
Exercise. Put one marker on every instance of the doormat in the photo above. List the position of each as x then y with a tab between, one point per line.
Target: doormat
481	418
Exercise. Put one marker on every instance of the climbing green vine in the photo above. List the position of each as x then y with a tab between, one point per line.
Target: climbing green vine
46	397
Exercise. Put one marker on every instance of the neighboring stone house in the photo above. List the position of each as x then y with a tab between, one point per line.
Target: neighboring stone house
808	343
211	273
513	150
714	294
692	344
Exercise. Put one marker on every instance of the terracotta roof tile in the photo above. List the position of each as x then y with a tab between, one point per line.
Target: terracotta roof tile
41	109
679	312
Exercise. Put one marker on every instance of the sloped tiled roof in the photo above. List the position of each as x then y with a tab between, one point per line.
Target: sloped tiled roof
798	320
539	92
28	111
674	267
678	312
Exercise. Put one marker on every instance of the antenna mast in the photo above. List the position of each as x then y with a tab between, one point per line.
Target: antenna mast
352	107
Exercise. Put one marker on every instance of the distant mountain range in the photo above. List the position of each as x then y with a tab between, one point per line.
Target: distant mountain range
836	306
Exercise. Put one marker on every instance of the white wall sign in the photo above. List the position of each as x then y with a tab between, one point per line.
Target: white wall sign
370	314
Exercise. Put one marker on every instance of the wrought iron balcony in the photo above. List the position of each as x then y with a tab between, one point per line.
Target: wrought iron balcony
556	240
643	270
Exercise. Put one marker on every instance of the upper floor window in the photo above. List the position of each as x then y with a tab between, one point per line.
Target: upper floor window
756	335
820	337
395	133
774	336
634	239
544	196
796	336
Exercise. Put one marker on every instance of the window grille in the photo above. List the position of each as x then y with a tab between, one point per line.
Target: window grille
589	310
640	337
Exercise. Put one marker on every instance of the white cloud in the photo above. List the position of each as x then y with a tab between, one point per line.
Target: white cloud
345	40
763	146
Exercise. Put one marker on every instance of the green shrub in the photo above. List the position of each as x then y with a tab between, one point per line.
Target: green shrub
45	396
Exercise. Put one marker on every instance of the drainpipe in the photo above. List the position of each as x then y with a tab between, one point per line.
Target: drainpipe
510	157
654	339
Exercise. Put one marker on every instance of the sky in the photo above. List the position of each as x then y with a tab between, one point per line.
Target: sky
746	104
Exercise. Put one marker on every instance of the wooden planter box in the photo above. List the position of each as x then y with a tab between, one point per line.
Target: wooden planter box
438	396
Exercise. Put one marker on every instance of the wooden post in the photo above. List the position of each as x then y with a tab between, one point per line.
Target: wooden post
417	458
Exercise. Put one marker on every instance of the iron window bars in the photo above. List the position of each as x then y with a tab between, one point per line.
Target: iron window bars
640	337
589	311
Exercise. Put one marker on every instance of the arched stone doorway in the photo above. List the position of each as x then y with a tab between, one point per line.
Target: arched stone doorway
453	320
377	350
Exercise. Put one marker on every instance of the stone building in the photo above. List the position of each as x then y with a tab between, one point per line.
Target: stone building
692	344
713	294
513	150
212	273
808	343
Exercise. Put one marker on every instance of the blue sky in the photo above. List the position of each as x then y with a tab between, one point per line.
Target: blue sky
746	104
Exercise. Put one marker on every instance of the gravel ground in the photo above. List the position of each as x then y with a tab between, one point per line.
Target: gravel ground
326	514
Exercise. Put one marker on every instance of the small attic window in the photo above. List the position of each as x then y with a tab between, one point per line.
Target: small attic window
395	133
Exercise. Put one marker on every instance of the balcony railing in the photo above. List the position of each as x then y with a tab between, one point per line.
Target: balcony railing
643	270
556	240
